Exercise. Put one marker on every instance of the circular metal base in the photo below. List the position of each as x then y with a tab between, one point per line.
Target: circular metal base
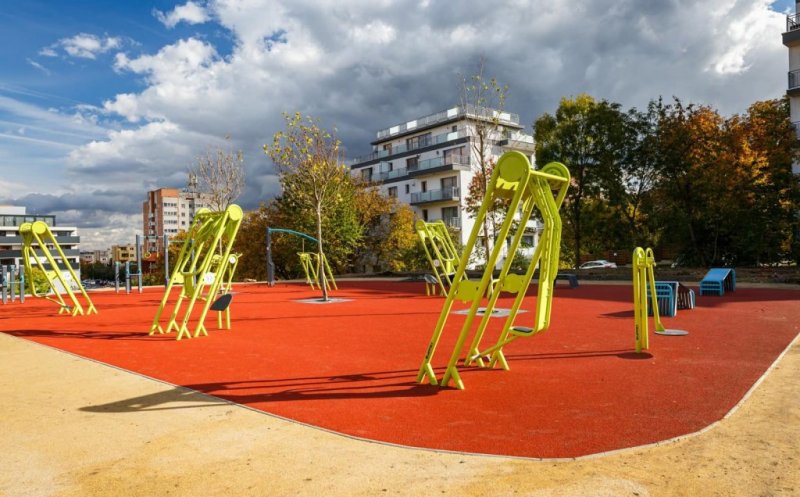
672	333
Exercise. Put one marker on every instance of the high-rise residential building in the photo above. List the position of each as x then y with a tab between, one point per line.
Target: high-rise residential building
168	211
12	217
430	161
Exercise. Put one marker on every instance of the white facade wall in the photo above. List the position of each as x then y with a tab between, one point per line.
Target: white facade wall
423	161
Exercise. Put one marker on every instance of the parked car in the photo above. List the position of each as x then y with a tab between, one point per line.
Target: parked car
599	264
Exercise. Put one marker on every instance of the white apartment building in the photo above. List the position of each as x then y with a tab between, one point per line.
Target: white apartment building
12	217
791	38
168	211
429	162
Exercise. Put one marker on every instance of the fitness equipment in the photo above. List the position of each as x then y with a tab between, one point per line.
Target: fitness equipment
8	287
210	231
643	277
310	263
440	252
514	183
271	265
138	274
39	233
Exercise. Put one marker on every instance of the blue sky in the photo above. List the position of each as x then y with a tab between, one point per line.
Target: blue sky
101	101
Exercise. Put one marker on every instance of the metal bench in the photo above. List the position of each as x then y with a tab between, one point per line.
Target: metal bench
717	281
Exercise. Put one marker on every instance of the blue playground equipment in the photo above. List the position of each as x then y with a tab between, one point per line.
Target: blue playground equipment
672	296
717	281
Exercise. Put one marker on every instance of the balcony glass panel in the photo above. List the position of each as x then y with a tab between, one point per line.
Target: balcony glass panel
794	79
435	195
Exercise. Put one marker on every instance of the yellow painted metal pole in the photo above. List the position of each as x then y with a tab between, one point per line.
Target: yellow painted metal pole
513	174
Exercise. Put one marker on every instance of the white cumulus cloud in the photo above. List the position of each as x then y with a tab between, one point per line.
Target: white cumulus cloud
364	65
83	45
190	13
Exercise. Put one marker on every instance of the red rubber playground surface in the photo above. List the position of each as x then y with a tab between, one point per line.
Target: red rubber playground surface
350	367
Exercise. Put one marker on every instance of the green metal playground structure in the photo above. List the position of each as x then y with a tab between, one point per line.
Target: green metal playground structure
523	189
205	267
441	253
37	236
310	262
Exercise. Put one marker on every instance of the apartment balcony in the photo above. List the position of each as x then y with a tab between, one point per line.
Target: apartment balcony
452	222
68	253
792	34
403	148
438	164
518	141
447	194
393	174
794	82
472	111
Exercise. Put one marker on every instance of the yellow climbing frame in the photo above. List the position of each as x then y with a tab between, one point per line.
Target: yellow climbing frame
311	268
440	251
522	189
202	266
643	263
39	234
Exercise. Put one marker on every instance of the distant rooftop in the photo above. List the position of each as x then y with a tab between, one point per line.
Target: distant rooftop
447	115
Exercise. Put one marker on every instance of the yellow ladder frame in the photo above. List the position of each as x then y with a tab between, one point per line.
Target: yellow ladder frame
205	233
511	180
38	232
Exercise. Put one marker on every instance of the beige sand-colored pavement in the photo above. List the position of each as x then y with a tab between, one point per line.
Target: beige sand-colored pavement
74	427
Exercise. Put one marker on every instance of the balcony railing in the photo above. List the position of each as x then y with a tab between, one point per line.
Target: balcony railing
794	79
399	149
394	173
792	22
445	115
453	222
436	195
459	162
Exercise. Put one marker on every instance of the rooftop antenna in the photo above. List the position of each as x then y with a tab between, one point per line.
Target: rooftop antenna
192	185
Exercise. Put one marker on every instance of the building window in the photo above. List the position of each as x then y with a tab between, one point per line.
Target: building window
454	155
418	141
449	183
408	188
450	216
387	148
366	174
393	191
454	128
425	214
412	163
423	186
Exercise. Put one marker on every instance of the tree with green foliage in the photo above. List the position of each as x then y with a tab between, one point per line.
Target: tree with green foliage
585	135
313	178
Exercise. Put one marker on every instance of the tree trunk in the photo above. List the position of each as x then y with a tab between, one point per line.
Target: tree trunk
323	281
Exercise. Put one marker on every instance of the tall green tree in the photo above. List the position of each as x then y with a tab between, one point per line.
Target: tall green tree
770	140
585	135
311	173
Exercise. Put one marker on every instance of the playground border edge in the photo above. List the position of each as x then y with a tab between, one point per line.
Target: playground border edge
586	457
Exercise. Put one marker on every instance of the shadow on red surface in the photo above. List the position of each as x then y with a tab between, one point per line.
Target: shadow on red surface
351	367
